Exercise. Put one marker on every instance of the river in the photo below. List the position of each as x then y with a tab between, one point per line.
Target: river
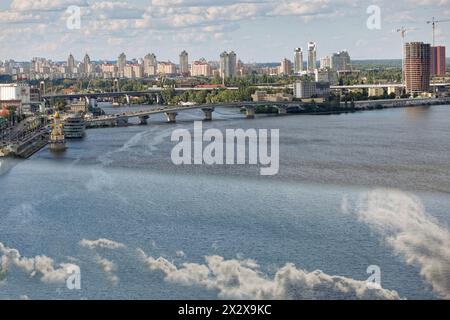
353	191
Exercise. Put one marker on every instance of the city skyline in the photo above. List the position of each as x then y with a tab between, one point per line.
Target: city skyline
260	31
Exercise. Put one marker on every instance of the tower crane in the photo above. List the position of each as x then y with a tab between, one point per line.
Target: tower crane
403	31
434	24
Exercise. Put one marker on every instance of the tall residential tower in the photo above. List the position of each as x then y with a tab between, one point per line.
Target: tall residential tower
312	56
417	67
298	60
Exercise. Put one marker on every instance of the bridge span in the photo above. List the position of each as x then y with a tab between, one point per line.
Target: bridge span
171	112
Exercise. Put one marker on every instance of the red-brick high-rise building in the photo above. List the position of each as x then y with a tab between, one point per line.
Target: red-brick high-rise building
417	67
438	61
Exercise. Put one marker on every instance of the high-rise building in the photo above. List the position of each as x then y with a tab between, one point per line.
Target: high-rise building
150	65
201	68
184	63
70	63
121	63
340	61
312	56
298	60
87	67
167	68
438	61
325	63
286	67
417	67
228	64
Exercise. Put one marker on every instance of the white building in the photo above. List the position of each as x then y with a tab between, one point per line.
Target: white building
15	91
304	89
325	62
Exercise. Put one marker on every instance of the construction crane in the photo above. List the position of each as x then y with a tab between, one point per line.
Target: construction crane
403	31
433	23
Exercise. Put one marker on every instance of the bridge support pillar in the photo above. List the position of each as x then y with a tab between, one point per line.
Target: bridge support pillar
143	120
250	112
171	117
282	109
208	113
122	122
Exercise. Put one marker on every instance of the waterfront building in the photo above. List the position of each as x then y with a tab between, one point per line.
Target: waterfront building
304	89
417	67
438	61
376	92
79	106
260	96
298	61
312	56
184	63
15	95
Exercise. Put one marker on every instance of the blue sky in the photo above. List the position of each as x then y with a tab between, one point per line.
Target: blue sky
258	30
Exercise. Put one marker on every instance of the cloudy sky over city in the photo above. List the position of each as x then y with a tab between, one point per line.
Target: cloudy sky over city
258	30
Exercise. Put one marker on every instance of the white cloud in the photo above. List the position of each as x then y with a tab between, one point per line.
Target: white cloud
45	5
101	243
411	232
242	279
109	267
41	266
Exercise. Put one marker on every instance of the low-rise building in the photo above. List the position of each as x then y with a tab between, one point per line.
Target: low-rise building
260	96
376	92
77	107
310	89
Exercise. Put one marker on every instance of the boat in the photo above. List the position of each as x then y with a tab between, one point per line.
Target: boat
74	127
57	138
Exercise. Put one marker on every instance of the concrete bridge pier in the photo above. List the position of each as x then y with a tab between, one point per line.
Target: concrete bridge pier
281	109
250	112
208	113
122	122
171	117
143	120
